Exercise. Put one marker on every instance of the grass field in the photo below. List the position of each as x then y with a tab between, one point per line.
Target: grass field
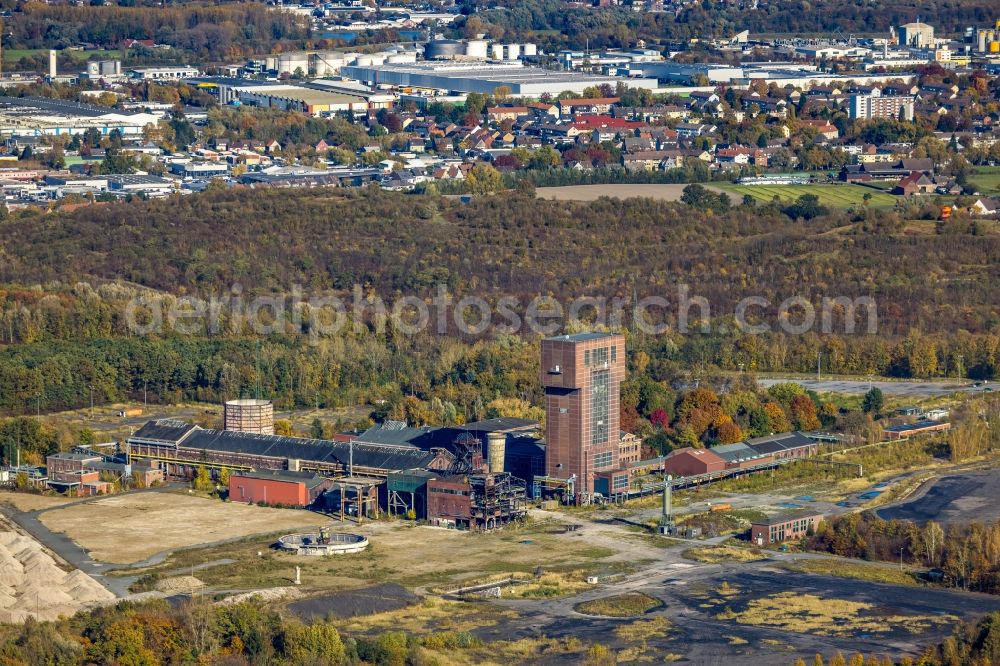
630	604
844	568
835	196
987	179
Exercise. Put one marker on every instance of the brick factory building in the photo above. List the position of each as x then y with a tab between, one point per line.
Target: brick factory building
693	462
274	487
179	449
784	527
784	445
908	430
449	501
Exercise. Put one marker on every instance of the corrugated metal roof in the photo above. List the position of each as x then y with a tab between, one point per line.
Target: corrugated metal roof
735	452
780	442
365	454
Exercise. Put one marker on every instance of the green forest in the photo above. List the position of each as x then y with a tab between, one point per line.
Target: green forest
70	279
217	32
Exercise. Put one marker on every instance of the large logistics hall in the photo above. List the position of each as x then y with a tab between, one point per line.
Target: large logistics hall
484	77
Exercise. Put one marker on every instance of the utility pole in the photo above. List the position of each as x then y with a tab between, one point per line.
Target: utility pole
819	357
91	402
901	558
961	369
144	402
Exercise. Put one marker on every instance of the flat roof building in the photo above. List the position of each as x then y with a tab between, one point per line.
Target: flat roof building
479	77
277	487
36	116
313	101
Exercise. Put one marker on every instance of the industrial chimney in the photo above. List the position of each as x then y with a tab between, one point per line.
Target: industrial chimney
52	63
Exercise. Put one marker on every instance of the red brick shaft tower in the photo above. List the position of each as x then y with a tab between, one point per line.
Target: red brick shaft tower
582	376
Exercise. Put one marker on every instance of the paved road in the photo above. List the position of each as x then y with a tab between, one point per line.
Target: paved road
915	389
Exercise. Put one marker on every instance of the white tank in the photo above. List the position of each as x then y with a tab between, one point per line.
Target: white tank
513	51
378	60
497	51
530	49
327	63
365	61
401	58
289	62
476	49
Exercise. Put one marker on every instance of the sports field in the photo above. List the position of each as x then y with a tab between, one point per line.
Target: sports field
835	196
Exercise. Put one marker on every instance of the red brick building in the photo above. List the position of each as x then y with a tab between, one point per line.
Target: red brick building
784	527
449	501
692	462
582	375
276	487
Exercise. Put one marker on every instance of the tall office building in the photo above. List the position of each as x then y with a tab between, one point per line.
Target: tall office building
582	376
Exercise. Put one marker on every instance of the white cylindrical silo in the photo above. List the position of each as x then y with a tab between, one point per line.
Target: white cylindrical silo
513	51
530	49
497	51
476	49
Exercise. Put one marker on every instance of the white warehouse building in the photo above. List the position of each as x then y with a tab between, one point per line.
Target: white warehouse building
480	77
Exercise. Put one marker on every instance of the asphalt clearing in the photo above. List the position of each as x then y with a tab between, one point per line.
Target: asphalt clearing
962	498
355	603
698	635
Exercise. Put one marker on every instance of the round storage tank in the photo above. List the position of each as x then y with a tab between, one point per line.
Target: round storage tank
365	61
513	51
443	49
530	49
378	60
255	416
477	48
402	58
497	51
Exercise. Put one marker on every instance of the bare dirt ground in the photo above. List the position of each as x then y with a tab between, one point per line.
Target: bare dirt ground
29	502
594	192
124	529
